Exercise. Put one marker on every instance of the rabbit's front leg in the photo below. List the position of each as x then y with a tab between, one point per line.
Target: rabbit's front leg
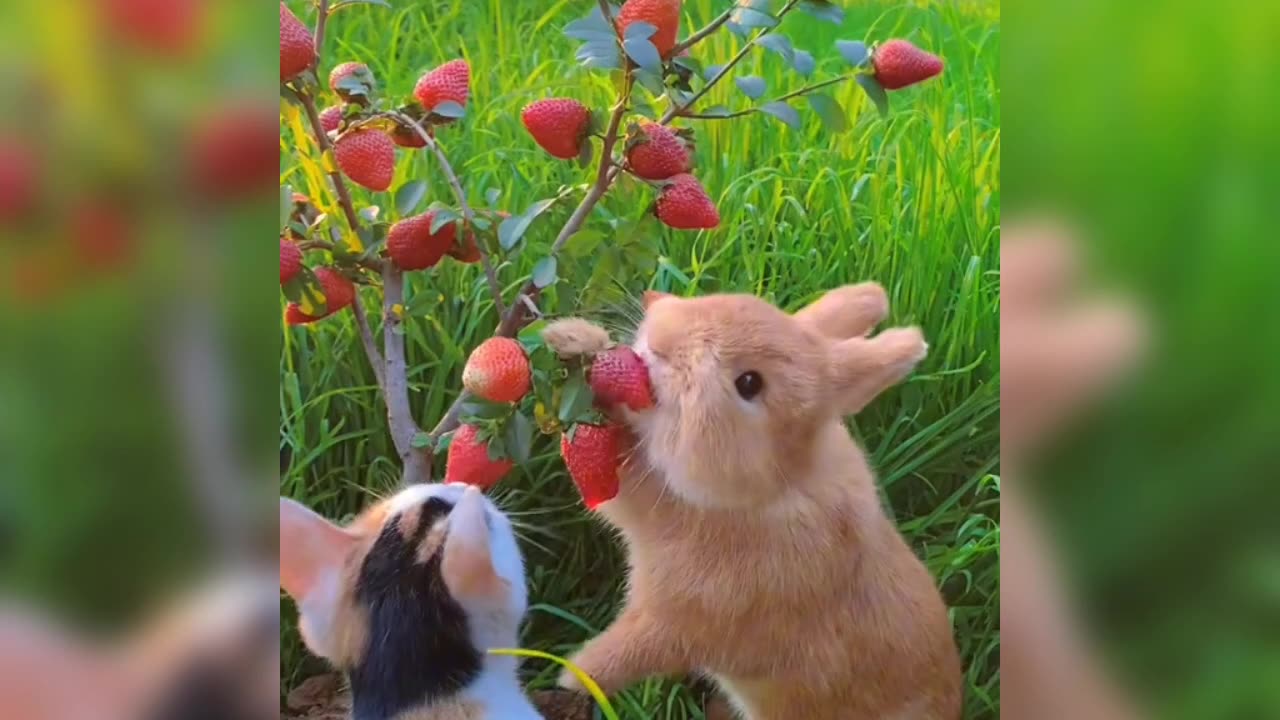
634	647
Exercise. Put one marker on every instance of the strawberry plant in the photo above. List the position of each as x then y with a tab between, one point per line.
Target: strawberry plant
351	246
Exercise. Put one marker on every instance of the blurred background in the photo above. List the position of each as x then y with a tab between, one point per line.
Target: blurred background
137	347
1139	340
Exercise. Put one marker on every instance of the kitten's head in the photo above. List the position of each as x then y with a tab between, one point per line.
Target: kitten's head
408	597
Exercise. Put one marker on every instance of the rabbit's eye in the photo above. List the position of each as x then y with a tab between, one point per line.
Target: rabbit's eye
749	384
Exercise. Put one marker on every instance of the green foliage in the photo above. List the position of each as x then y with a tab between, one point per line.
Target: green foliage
911	200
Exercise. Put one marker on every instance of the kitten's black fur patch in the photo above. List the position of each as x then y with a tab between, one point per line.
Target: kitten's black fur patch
420	646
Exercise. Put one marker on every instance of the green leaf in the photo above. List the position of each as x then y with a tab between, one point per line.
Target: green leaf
449	109
492	195
752	14
443	217
640	30
688	62
643	53
514	227
544	273
600	54
778	43
803	62
370	214
711	72
824	10
409	195
496	449
833	116
737	29
581	243
421	441
752	85
518	437
717	111
853	52
586	152
286	204
651	81
592	27
476	408
575	397
876	92
783	112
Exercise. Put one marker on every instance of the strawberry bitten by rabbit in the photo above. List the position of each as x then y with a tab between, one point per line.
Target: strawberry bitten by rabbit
759	551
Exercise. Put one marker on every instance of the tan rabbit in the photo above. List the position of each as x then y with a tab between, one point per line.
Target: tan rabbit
758	547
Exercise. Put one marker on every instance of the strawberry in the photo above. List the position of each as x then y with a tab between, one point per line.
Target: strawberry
346	70
19	177
447	83
592	458
497	371
558	125
468	250
331	118
338	291
297	46
657	153
620	377
229	150
290	261
168	28
405	136
368	157
469	461
898	64
684	205
412	246
662	14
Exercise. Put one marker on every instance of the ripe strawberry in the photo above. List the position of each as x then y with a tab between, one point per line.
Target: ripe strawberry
658	153
497	371
19	177
339	291
412	246
684	205
293	315
592	459
620	377
662	14
346	70
290	261
447	83
558	125
469	461
368	157
230	150
468	250
331	118
297	46
169	28
898	64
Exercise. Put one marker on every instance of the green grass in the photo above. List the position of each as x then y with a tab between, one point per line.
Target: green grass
912	202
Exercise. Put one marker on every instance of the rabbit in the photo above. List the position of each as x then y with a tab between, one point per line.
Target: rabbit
758	548
408	598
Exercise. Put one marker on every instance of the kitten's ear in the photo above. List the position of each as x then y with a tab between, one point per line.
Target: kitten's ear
862	368
310	547
849	311
467	566
652	296
47	673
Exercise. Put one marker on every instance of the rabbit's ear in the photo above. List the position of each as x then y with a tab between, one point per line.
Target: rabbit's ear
862	368
652	296
846	312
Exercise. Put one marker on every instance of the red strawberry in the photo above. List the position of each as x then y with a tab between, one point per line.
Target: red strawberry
19	177
497	371
620	377
592	459
662	14
447	83
166	27
898	64
684	205
230	153
368	157
468	250
331	118
346	70
558	125
412	246
469	461
338	293
658	153
290	261
297	46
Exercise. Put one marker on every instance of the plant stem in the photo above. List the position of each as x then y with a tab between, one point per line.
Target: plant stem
370	345
495	290
698	36
781	98
417	464
326	148
321	21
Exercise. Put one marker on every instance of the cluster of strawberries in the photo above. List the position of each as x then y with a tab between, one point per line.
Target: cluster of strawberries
654	152
499	371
